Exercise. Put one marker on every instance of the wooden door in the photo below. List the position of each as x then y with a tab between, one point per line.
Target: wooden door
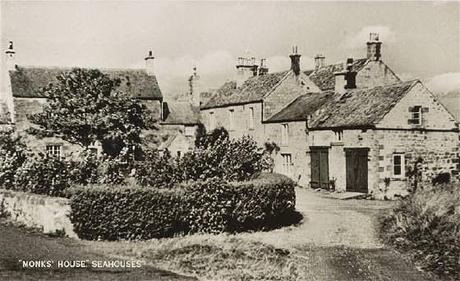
356	167
319	167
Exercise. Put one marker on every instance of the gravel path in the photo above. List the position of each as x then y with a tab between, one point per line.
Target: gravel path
329	222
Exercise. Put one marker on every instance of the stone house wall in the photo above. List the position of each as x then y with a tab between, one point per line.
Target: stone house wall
439	152
337	142
182	143
296	147
375	73
27	106
241	115
287	91
434	115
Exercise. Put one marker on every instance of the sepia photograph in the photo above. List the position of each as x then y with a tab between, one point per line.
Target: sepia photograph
229	140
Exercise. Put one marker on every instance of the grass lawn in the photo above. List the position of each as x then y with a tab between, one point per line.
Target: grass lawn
228	257
17	243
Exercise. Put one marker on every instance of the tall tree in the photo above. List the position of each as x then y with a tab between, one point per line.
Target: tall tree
85	106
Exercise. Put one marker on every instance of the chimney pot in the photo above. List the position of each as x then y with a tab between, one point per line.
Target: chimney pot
149	66
10	57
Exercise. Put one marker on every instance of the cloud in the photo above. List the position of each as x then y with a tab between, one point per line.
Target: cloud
444	83
357	39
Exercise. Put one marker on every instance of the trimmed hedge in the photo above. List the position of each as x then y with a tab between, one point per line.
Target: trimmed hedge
212	206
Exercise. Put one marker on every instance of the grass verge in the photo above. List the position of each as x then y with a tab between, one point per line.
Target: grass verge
426	226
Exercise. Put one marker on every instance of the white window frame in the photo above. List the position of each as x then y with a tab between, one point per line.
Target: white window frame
287	163
231	119
284	134
418	113
54	150
212	120
402	173
251	118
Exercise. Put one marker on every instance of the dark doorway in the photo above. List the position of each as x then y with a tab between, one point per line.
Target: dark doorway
356	165
319	167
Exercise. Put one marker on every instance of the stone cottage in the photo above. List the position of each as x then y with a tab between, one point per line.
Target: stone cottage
20	97
353	126
367	140
181	118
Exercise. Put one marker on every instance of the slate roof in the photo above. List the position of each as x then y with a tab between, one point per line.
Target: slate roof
360	108
180	113
4	113
27	81
252	90
324	77
301	108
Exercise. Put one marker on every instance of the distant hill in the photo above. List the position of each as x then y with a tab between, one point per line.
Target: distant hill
451	100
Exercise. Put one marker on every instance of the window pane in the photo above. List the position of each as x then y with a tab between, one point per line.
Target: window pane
397	170
397	159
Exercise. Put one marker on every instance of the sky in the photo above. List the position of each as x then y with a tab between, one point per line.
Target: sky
420	39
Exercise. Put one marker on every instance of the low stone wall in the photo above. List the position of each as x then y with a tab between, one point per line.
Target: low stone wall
33	210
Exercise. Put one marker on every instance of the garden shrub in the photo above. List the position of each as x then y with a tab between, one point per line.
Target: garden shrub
211	206
217	156
43	174
104	169
232	160
156	170
427	226
12	156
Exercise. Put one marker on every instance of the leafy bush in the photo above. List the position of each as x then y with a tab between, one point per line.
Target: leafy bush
42	174
232	160
212	206
156	170
12	156
427	226
90	169
218	156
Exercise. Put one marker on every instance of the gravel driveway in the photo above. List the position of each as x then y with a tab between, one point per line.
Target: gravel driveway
329	222
339	240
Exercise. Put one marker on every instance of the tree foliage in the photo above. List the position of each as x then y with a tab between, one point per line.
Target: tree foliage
13	153
85	106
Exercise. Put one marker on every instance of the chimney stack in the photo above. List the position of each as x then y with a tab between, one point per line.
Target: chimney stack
10	57
245	68
295	61
195	88
149	63
346	79
263	69
319	61
374	47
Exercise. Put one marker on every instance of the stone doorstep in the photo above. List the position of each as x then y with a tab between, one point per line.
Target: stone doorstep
346	195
